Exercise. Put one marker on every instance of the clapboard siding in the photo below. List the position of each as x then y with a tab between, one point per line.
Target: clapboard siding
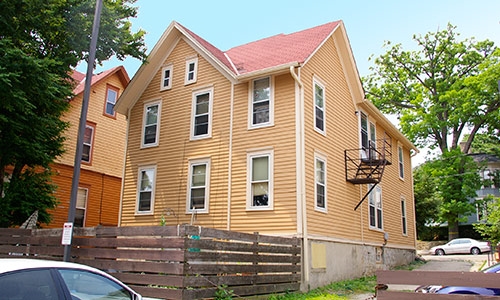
175	148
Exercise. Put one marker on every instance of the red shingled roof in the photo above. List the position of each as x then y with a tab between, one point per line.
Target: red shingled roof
272	51
80	78
280	49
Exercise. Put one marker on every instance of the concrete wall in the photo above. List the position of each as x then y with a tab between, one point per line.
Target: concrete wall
335	261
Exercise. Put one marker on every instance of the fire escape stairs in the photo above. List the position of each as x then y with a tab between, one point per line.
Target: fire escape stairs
366	165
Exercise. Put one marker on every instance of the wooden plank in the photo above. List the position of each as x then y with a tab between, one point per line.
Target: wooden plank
242	290
476	279
146	279
46	250
142	242
135	254
14	231
194	269
161	293
133	266
8	239
398	295
6	249
210	244
231	280
137	231
238	257
239	236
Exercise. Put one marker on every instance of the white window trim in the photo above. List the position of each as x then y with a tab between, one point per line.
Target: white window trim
194	162
271	104
91	144
210	92
373	193
144	115
401	162
316	81
153	189
86	204
404	217
195	72
109	87
250	156
316	207
165	68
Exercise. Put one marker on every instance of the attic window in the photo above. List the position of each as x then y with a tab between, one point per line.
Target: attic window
191	70
166	77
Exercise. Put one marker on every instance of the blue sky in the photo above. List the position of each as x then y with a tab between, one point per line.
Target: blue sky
229	23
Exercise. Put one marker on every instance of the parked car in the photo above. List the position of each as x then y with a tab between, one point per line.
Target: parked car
438	289
462	246
36	279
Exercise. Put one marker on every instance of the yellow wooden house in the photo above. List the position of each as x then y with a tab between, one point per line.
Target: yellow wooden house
103	153
276	137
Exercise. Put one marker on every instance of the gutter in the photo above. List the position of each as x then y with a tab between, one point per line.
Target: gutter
300	177
120	210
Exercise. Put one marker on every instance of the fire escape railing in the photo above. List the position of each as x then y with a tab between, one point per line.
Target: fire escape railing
366	165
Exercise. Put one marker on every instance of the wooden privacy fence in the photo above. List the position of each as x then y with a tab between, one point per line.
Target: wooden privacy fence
172	262
412	279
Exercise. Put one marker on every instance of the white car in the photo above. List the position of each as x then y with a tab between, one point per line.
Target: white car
36	279
461	246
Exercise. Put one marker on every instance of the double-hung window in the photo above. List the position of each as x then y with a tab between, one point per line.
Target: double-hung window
320	187
151	124
319	107
88	143
260	180
166	77
375	207
368	135
202	114
198	190
111	97
261	105
146	189
191	70
81	205
403	216
401	163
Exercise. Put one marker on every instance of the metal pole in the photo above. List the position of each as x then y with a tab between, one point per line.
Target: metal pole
83	122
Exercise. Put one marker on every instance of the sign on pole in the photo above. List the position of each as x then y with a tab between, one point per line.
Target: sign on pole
67	233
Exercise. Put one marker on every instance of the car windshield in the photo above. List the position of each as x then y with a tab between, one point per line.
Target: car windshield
89	286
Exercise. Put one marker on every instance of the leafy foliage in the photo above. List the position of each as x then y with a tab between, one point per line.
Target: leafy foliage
439	92
40	43
491	226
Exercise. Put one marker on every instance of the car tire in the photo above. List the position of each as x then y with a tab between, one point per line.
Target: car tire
475	251
439	252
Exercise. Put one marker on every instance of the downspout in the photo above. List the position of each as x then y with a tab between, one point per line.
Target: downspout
123	171
301	182
230	160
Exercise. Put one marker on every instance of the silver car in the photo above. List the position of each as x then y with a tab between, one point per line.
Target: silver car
462	246
35	279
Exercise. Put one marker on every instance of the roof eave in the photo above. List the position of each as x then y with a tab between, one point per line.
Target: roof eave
267	71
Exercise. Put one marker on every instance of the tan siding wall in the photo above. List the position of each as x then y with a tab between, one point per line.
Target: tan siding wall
109	135
342	132
281	139
175	148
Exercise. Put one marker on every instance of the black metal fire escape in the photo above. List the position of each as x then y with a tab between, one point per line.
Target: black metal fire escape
366	165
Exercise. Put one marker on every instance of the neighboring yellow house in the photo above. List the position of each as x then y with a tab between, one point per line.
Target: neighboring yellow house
274	136
103	152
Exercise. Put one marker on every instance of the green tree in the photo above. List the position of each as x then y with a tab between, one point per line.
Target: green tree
427	201
40	43
439	92
490	227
